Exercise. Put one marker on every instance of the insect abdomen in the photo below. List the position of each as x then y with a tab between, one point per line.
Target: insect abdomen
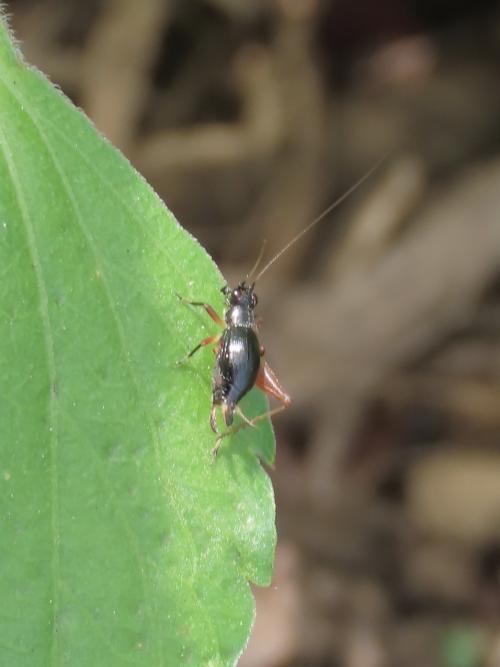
236	367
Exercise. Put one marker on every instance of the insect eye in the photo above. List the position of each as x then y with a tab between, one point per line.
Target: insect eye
225	289
255	300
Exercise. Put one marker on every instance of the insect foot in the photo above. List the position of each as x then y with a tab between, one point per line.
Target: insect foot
215	449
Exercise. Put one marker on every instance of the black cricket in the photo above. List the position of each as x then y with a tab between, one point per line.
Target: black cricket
239	363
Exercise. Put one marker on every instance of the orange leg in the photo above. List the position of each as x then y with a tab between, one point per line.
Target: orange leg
211	340
211	311
268	382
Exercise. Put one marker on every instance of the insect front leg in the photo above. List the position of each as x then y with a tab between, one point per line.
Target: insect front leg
208	308
210	340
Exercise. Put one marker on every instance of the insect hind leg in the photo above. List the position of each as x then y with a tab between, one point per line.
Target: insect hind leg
268	383
246	424
243	416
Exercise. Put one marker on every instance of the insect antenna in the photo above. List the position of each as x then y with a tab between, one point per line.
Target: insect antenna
257	262
320	217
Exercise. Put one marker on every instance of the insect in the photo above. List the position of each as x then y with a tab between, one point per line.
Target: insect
239	361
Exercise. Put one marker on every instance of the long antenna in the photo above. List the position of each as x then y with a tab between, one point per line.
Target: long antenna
258	261
320	217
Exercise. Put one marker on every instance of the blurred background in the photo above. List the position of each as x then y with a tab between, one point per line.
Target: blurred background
249	117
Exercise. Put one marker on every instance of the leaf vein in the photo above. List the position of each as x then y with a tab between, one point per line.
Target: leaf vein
51	370
121	335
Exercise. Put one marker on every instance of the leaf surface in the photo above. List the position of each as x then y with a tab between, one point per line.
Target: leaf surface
121	543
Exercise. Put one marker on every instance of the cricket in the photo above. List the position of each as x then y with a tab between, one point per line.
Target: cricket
239	357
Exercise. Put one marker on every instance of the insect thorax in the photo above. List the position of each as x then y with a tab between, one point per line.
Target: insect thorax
240	316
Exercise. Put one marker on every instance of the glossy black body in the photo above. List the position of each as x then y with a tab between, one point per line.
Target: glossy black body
238	354
236	368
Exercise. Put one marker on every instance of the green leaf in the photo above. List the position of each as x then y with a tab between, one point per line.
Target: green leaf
121	542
